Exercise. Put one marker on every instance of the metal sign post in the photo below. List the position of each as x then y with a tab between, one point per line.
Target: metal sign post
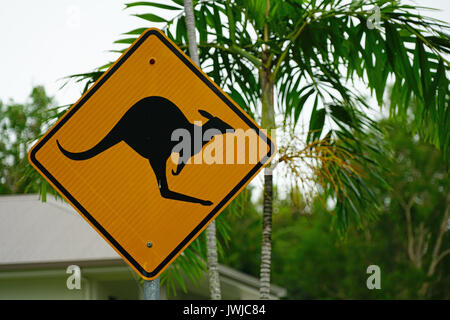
151	289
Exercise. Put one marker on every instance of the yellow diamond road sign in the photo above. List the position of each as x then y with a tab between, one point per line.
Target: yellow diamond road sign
152	153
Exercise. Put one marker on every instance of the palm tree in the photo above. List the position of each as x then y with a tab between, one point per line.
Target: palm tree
275	57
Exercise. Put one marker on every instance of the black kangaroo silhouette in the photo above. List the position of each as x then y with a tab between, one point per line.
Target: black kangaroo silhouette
147	128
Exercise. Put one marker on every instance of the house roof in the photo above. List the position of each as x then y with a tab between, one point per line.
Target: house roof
34	233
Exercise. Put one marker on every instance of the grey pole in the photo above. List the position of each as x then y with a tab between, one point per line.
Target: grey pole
151	289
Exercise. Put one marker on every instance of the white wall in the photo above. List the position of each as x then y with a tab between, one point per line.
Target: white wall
50	284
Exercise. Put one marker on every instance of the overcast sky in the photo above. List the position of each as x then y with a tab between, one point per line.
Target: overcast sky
46	40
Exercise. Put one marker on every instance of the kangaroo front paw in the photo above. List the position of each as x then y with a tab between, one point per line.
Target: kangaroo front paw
206	203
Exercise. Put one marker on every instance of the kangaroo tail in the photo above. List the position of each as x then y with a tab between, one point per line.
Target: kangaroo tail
106	143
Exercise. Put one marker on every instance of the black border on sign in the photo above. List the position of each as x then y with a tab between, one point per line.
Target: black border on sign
91	91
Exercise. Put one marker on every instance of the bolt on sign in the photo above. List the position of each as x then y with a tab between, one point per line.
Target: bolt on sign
152	153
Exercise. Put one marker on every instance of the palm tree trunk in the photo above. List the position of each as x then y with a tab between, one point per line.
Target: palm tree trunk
190	27
268	123
266	246
211	239
213	264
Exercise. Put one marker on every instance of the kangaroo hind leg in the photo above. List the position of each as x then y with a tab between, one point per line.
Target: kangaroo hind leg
160	171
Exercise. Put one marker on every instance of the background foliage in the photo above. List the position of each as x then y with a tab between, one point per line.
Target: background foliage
313	261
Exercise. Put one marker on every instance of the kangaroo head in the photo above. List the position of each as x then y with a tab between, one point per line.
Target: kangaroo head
215	123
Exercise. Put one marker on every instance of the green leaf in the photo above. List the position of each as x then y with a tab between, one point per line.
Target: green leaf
135	31
394	42
301	102
181	32
150	17
424	68
316	122
43	190
105	66
217	23
201	26
152	4
236	96
340	113
127	40
231	23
